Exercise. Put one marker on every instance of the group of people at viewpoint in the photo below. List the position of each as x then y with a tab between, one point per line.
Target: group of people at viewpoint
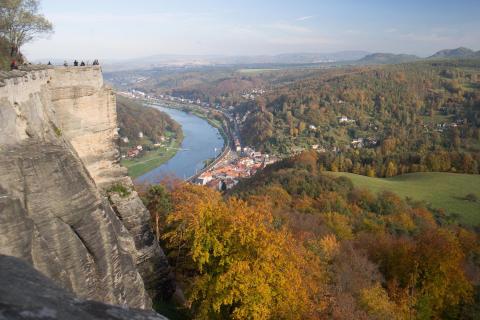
14	64
15	55
81	64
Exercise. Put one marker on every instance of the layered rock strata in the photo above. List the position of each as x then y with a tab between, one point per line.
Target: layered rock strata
27	294
57	157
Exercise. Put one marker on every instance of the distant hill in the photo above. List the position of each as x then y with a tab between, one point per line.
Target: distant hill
302	58
287	59
387	58
461	52
163	60
391	58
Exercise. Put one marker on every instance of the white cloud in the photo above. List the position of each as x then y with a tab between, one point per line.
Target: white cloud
301	41
391	30
287	27
305	18
352	32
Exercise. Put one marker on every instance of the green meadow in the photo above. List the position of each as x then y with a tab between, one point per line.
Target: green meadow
150	160
438	189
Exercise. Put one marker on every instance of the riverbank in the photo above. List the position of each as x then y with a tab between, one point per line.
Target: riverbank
151	159
221	126
199	112
202	141
148	137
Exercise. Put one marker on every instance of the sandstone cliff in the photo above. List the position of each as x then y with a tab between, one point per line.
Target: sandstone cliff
27	294
57	158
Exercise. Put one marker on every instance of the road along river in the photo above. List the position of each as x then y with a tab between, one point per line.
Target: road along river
201	142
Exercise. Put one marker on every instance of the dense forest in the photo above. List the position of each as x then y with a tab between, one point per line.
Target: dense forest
134	118
377	121
295	243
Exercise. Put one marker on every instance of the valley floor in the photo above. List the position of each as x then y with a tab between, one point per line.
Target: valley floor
439	189
150	159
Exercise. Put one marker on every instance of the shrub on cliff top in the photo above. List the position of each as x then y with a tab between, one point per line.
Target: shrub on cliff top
120	190
4	55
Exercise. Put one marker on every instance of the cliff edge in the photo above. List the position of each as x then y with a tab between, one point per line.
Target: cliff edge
57	159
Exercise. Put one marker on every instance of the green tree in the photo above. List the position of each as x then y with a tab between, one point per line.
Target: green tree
391	169
20	21
158	203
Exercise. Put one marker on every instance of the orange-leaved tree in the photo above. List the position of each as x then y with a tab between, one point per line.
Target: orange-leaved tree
238	266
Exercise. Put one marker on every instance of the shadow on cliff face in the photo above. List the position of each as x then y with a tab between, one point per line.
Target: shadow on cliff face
25	293
56	149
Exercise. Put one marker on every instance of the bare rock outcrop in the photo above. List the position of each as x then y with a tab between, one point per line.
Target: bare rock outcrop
25	293
57	157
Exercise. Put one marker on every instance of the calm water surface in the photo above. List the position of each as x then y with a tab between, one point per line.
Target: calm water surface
201	142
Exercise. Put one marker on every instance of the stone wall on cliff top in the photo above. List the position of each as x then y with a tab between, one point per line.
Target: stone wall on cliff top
57	157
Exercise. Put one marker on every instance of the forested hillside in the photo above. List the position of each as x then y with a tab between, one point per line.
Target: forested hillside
133	118
293	243
377	121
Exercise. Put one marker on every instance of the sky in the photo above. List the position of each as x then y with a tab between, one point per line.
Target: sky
123	29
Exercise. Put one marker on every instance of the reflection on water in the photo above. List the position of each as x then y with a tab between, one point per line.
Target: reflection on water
201	142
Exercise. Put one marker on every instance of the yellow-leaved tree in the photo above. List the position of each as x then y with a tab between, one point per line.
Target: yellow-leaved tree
235	264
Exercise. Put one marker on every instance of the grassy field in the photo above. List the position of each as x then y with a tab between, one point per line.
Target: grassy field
440	190
150	160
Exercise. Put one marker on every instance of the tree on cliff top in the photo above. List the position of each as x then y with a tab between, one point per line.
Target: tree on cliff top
20	22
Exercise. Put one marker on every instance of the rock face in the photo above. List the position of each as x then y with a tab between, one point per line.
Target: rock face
86	113
27	294
57	157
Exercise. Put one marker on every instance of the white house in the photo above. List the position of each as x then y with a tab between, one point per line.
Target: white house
203	179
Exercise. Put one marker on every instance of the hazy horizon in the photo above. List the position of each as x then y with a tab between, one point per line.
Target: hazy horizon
117	30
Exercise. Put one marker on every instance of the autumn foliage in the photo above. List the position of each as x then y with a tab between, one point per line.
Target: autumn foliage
240	266
295	243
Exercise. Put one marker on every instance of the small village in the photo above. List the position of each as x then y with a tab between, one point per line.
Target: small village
235	166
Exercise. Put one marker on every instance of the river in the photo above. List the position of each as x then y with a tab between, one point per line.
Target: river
201	142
